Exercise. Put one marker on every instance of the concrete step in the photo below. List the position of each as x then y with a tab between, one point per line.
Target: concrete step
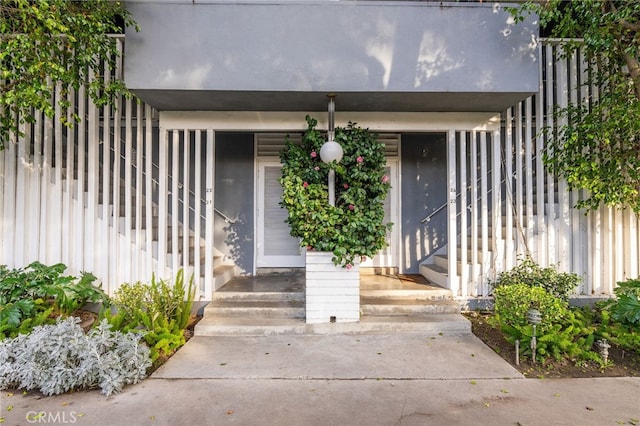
248	326
406	307
428	325
259	309
431	293
443	262
434	273
258	296
222	274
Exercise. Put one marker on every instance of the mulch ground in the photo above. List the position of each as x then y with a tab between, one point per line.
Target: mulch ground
623	363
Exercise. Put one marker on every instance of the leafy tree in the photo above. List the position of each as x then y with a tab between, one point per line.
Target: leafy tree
599	147
44	43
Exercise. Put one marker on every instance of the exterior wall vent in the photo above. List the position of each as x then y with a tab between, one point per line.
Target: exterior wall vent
269	145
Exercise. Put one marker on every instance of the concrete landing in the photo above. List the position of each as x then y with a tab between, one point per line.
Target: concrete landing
273	304
429	324
348	357
267	305
372	380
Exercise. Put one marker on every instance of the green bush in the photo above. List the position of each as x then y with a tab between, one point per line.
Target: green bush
58	358
559	284
630	287
562	331
514	301
355	226
38	293
617	317
159	310
626	307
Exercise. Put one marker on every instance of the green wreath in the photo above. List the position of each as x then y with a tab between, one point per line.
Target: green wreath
355	227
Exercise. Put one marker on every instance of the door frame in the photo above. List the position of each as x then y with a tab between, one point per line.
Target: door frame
263	260
392	260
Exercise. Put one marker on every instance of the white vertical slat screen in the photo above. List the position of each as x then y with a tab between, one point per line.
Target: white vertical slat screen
90	196
518	187
77	249
137	163
120	198
8	204
149	185
92	147
452	234
472	290
517	208
19	200
464	272
509	198
174	227
128	194
198	267
209	225
529	151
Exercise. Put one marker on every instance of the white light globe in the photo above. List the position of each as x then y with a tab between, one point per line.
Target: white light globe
331	151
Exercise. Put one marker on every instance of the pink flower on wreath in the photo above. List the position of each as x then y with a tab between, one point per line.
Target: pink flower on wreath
346	186
305	184
316	168
385	179
314	154
363	258
349	266
309	248
351	207
360	159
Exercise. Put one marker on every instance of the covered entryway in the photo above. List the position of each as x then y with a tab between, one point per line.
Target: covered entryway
247	167
275	248
275	304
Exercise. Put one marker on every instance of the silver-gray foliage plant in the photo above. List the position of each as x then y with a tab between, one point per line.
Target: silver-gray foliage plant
61	357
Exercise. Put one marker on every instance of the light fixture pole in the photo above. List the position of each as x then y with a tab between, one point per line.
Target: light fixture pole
331	150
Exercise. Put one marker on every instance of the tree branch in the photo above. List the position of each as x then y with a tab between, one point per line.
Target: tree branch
625	24
634	69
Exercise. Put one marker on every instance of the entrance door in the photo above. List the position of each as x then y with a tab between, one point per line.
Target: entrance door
276	248
388	258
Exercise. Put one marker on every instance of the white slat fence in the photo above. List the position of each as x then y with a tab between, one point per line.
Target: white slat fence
106	197
120	197
515	207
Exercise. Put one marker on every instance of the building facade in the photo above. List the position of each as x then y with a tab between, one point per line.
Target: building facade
185	175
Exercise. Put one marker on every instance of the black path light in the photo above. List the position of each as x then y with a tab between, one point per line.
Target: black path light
603	347
534	317
331	150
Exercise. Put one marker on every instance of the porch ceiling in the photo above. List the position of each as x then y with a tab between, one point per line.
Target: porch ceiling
209	100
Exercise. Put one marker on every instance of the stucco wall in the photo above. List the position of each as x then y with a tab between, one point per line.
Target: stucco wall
204	55
234	184
424	189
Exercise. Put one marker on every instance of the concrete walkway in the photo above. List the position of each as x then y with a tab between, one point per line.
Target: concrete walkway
367	379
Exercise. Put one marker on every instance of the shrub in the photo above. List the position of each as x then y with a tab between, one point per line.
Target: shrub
559	284
58	358
626	307
620	317
512	303
355	226
562	331
159	310
34	295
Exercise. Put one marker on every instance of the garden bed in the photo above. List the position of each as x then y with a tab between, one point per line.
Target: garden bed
623	363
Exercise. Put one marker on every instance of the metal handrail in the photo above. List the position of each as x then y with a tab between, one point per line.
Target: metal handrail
226	218
433	213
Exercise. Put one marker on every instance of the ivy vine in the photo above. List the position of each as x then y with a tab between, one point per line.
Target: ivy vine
355	227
